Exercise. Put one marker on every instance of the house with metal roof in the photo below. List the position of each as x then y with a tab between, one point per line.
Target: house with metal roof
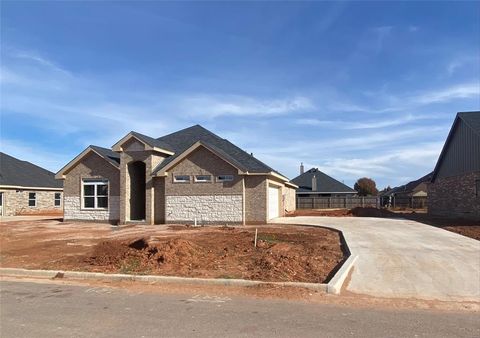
455	186
27	189
314	182
189	176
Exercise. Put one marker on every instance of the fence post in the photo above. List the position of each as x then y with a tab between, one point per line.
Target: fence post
313	202
363	201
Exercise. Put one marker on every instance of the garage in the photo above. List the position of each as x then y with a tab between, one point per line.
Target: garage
273	201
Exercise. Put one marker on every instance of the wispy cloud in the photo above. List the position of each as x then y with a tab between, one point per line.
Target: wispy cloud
214	106
462	91
372	124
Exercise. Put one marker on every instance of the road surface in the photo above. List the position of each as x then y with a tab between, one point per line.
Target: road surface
56	310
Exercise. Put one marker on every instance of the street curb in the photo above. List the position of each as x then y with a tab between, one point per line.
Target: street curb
150	278
336	283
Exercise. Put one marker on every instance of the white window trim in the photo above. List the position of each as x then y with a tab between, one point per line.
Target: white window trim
203	181
94	182
175	180
230	179
55	199
32	199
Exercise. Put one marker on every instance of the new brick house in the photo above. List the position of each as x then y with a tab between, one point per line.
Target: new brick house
455	186
188	175
27	189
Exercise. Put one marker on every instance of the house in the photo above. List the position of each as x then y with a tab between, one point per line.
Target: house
27	189
455	186
188	176
313	182
412	194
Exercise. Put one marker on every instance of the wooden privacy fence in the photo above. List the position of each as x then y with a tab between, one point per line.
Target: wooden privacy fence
336	202
353	202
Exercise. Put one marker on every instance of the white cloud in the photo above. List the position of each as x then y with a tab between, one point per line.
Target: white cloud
462	91
211	106
372	124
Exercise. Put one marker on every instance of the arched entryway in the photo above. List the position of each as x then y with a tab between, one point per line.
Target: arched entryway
136	171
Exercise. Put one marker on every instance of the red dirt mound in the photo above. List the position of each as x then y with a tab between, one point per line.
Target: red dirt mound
306	256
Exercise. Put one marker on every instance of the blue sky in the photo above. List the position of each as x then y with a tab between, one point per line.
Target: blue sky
355	89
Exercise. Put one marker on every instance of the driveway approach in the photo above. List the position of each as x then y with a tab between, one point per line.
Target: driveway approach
401	258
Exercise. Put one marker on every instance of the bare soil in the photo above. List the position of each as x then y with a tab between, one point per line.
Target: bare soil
465	227
283	253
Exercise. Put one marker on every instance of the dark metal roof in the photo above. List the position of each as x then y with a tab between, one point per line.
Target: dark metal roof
20	173
325	183
185	138
108	154
472	121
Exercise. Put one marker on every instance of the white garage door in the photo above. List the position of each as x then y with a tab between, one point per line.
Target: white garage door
273	202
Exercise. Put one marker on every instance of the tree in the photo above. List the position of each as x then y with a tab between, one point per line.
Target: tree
366	187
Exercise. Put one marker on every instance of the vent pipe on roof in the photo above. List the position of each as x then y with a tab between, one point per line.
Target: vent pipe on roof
302	168
314	183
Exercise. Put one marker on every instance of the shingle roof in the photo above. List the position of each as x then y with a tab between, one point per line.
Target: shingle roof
325	183
409	186
20	173
152	141
107	154
185	138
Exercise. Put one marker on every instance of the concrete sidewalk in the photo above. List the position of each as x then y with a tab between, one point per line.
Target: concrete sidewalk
401	258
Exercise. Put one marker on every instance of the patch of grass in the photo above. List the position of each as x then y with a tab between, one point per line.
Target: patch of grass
131	266
269	238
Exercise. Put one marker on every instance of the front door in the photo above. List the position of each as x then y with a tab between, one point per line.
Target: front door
273	202
1	203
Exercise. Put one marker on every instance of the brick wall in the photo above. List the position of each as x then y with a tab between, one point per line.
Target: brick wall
255	199
91	166
15	202
454	196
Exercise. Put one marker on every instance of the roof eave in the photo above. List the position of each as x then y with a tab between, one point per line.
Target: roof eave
60	175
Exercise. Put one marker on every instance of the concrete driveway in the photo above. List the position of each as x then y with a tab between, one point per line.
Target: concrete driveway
401	258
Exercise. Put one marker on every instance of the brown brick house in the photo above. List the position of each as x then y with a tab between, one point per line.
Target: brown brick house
27	189
185	176
455	186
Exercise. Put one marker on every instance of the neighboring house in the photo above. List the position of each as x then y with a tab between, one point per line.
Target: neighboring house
313	182
27	189
417	188
413	194
185	176
455	186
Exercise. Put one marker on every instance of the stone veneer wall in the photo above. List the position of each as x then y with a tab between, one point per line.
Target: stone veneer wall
15	202
455	196
73	210
207	209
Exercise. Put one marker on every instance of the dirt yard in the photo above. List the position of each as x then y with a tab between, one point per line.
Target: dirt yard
460	226
283	253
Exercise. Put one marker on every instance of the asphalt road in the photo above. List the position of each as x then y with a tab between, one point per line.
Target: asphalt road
52	310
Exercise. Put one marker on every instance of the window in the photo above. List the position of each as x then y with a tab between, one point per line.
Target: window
58	199
32	199
477	188
181	179
224	178
95	194
203	178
